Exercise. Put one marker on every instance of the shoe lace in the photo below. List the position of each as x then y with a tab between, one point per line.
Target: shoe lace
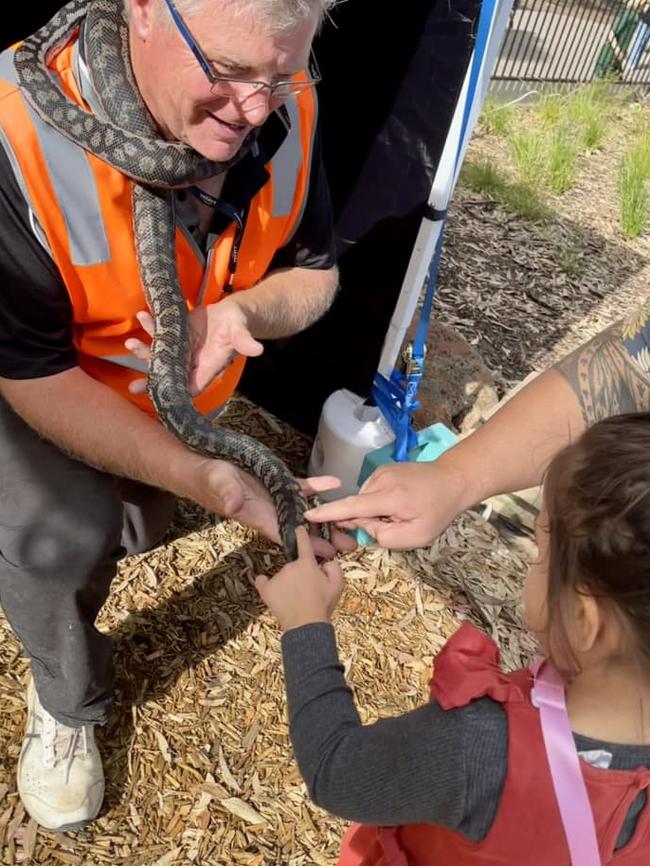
60	743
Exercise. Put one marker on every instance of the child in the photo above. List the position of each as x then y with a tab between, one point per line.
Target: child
488	770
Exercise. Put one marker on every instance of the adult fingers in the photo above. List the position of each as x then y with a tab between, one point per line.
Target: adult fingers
318	484
146	321
351	507
246	344
138	348
138	386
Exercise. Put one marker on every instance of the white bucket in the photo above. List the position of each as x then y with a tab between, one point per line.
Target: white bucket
347	431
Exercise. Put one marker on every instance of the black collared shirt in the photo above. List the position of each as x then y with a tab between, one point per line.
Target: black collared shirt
36	317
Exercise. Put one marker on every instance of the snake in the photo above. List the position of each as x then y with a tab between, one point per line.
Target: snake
124	136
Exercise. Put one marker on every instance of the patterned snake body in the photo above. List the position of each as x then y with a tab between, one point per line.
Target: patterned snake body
126	140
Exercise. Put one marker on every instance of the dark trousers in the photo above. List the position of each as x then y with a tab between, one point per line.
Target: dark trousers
63	528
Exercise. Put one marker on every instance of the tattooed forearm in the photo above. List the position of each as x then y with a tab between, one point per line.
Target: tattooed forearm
605	378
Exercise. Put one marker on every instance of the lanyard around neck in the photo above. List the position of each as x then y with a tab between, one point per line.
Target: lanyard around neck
237	216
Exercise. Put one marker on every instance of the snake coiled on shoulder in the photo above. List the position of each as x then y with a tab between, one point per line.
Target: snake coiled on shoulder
126	139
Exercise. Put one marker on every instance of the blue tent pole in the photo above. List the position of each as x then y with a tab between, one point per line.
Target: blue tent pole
351	430
461	127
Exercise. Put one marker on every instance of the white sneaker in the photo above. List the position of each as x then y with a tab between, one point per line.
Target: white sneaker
60	775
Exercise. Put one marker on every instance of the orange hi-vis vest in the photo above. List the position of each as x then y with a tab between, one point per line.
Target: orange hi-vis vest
527	829
82	207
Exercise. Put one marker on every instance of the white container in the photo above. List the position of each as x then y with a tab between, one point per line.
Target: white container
347	431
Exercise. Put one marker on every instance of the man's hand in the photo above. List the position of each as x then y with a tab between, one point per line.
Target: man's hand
402	506
229	491
303	591
218	332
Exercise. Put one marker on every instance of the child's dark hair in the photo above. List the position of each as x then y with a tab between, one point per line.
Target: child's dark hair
597	496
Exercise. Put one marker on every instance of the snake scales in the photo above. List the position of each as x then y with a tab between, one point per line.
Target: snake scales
127	140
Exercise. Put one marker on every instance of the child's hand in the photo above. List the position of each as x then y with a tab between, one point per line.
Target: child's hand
303	591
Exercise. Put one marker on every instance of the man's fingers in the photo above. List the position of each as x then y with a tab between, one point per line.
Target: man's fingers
395	535
247	345
370	527
322	548
318	484
138	386
146	321
200	378
138	348
342	541
398	536
349	524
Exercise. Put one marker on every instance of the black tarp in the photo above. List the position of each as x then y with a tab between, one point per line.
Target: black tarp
392	73
25	18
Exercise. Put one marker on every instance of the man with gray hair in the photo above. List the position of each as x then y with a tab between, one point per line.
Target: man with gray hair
197	120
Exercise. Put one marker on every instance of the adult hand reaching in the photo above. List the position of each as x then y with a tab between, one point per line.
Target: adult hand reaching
402	505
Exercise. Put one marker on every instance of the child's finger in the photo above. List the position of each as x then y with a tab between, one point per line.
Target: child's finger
333	572
332	569
303	541
261	580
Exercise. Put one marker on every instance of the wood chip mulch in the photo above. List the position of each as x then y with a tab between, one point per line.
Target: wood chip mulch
197	758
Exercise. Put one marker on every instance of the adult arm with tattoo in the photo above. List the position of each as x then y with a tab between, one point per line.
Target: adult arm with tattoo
408	505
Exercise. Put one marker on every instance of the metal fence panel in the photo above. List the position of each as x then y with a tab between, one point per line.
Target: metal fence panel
573	41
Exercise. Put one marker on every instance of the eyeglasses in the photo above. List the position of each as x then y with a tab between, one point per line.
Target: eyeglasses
242	88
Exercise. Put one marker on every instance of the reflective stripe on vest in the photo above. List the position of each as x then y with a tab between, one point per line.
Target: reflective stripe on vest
73	182
128	361
291	168
286	163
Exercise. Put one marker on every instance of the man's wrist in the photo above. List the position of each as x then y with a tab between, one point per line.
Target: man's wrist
241	302
183	470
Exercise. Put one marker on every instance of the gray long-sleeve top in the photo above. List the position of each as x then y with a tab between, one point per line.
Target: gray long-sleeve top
445	767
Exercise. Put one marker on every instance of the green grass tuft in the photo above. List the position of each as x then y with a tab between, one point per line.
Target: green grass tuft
589	109
633	197
551	109
528	152
525	201
562	158
496	117
483	176
518	198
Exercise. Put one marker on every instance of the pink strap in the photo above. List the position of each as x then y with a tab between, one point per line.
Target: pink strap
573	801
